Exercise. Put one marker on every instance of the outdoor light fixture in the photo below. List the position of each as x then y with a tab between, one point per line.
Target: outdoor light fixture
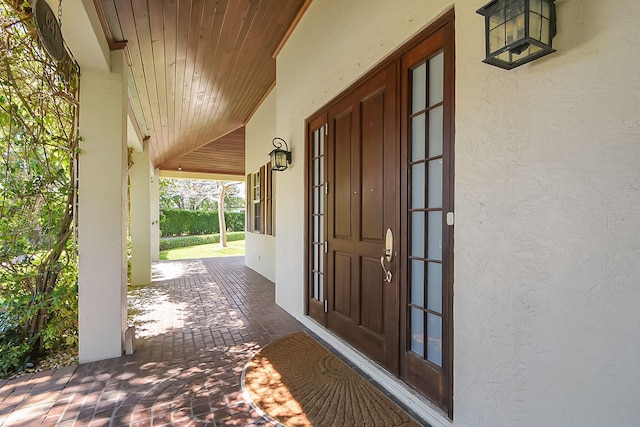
518	31
280	159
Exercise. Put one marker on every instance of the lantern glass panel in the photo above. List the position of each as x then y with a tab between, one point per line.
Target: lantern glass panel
496	19
533	49
515	29
546	35
513	8
497	39
546	9
278	160
535	27
505	57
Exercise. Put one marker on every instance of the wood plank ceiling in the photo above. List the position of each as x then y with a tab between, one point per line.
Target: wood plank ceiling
198	70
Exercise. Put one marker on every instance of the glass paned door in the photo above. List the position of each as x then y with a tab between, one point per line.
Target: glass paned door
427	179
317	219
318	186
426	209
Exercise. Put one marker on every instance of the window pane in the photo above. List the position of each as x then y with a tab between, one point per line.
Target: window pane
434	286
436	79
316	171
417	137
315	286
315	257
316	229
316	201
256	186
417	331
417	185
434	343
316	143
418	96
435	236
321	252
417	234
321	131
435	132
435	183
417	282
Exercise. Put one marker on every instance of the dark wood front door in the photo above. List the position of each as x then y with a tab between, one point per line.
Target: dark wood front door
362	205
427	216
380	157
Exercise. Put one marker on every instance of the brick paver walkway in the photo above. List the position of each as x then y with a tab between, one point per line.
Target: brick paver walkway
197	325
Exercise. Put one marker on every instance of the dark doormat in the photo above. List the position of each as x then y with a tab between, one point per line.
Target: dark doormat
297	382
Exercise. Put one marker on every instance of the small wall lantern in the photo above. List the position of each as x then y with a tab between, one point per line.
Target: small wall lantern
280	159
518	31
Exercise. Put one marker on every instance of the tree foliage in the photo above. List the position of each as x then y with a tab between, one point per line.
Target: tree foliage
194	194
38	144
198	194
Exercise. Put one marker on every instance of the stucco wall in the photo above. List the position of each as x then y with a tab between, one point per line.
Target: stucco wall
548	225
260	248
547	190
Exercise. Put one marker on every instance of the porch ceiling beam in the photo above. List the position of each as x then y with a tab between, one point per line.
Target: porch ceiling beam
83	34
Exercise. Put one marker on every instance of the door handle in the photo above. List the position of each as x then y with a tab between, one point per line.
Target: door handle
388	245
387	274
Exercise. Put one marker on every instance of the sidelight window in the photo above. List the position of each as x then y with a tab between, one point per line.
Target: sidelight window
318	188
426	210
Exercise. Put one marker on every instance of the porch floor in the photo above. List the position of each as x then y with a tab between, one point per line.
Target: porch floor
198	323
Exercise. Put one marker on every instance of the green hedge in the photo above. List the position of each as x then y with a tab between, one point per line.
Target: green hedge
183	242
178	222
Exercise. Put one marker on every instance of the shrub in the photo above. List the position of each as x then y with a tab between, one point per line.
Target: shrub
183	242
55	312
179	222
14	348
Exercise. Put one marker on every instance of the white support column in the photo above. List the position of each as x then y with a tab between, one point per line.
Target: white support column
155	215
140	179
102	212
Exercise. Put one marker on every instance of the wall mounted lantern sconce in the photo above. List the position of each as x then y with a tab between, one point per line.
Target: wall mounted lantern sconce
518	31
280	159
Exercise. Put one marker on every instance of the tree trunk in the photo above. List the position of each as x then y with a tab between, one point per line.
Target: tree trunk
221	221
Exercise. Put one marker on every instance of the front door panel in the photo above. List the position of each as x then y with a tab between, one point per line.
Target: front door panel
362	205
384	282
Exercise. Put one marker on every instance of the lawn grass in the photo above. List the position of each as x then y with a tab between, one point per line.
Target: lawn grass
210	250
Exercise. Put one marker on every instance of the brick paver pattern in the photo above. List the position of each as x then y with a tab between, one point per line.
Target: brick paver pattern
198	323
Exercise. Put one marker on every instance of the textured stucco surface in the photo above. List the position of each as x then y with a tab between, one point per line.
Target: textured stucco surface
548	226
103	212
547	200
260	130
